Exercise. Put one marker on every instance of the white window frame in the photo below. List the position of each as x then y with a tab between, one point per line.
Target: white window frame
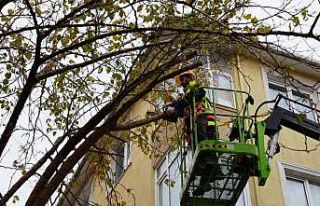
247	195
300	173
127	154
165	174
212	72
289	90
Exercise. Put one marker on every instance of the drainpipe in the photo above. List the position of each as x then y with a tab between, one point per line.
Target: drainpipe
253	182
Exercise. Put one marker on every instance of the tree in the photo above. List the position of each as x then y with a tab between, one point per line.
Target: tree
71	69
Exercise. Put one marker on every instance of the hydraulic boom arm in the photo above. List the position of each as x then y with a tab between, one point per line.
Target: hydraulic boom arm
293	120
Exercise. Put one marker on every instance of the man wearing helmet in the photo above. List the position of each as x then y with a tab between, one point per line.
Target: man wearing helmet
195	94
192	89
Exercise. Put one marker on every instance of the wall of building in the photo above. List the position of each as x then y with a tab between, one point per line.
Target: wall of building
137	185
272	194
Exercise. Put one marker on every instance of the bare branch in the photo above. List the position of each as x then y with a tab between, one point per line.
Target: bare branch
94	60
314	24
3	3
32	171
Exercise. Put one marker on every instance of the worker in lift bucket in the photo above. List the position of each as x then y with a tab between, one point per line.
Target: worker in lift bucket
205	122
206	128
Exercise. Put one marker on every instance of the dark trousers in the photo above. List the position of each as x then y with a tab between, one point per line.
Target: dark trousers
205	131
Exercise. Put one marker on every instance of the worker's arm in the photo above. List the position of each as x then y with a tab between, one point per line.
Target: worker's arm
195	92
176	109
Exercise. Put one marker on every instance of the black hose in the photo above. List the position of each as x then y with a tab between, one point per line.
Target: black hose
276	101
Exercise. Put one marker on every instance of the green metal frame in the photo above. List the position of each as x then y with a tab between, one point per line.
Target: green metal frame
263	164
250	144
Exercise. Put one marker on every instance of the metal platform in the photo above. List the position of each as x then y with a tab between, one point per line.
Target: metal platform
214	171
219	172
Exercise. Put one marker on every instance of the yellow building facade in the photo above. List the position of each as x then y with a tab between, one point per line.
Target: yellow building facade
295	171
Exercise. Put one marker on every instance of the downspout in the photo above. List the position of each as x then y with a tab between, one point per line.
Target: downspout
253	182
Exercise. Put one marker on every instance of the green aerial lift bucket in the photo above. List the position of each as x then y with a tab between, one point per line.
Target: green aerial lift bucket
215	171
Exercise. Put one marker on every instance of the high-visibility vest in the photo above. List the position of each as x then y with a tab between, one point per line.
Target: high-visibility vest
202	105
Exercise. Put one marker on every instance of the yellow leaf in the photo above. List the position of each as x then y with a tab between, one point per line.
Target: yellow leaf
10	12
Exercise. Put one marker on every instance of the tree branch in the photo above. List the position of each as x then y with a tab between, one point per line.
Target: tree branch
138	123
86	63
3	3
314	24
46	189
34	18
71	14
32	171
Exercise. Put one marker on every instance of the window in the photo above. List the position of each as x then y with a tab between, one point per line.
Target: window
296	187
119	162
301	185
121	159
302	192
276	84
274	90
168	181
244	198
219	76
85	195
301	97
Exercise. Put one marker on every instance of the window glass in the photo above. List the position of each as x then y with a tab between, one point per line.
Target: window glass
162	168
162	92
119	161
84	198
241	200
163	194
302	186
173	155
219	76
296	193
168	181
315	193
303	99
222	97
175	186
274	90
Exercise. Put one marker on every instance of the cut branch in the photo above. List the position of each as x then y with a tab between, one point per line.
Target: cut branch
138	123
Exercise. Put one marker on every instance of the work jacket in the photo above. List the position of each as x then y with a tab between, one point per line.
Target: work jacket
194	98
